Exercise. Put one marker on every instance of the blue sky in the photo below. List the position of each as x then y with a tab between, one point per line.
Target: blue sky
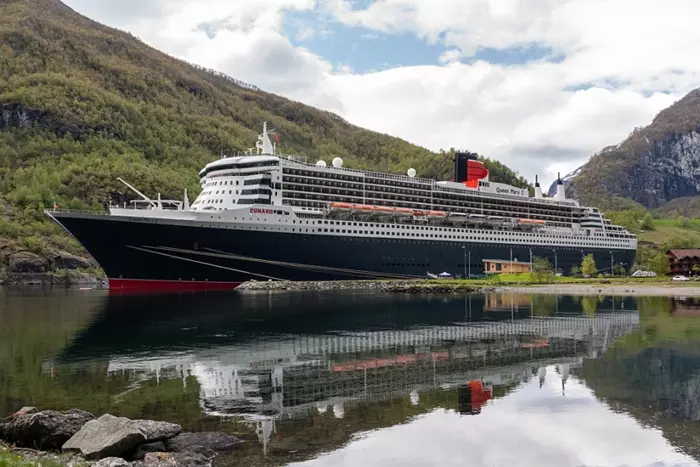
365	50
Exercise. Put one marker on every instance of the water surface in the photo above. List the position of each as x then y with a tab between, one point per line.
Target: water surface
345	379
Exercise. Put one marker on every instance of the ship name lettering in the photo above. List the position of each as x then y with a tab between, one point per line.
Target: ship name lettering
511	191
261	211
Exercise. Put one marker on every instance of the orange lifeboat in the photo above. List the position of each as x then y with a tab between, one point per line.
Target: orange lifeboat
341	206
419	213
385	209
531	221
437	214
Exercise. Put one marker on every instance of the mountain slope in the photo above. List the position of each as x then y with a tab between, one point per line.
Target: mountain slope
82	104
654	165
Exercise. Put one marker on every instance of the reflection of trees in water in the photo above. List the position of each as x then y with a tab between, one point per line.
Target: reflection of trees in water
654	372
658	386
589	304
544	305
34	325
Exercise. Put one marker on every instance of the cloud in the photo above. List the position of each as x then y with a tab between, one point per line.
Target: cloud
530	427
612	65
305	33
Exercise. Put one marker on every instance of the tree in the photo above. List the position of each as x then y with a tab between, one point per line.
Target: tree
683	221
541	270
575	271
588	267
647	222
658	262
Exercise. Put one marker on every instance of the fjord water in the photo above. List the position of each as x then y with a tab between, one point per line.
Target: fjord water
344	379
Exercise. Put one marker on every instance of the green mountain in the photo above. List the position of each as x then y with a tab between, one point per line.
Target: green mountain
688	206
82	104
654	165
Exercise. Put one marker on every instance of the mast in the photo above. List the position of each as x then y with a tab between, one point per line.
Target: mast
264	144
146	198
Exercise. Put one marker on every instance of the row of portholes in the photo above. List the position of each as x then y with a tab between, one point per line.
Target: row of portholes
471	240
504	236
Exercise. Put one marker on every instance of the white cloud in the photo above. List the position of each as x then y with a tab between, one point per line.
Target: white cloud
450	55
305	33
620	52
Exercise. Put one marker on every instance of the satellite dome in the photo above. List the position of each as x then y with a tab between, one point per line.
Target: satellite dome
337	162
411	172
321	164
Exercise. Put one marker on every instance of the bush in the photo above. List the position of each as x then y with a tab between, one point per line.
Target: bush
34	244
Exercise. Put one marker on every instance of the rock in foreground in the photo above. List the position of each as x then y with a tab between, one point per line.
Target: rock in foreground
45	430
157	431
112	462
174	459
219	442
113	436
108	436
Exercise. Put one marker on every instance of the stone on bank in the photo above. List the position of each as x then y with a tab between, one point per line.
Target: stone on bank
112	441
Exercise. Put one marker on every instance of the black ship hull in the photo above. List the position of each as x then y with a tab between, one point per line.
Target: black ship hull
149	255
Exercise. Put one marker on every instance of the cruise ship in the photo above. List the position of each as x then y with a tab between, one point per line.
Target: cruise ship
266	216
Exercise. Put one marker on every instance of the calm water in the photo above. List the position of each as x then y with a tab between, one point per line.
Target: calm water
353	379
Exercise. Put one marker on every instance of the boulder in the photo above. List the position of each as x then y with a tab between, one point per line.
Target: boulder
25	262
174	459
216	441
42	430
157	431
111	462
64	260
107	436
140	452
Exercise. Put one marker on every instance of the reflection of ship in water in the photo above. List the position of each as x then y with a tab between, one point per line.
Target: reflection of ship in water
310	373
286	356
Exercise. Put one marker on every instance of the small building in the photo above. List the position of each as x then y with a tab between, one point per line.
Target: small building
683	261
503	266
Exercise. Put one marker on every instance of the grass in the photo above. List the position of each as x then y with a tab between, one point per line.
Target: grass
668	229
11	459
692	224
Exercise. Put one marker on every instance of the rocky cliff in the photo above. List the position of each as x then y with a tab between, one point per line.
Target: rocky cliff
653	166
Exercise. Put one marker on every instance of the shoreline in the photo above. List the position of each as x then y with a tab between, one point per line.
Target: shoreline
610	287
637	290
622	287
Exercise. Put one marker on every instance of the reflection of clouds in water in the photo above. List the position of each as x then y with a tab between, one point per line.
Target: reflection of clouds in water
531	426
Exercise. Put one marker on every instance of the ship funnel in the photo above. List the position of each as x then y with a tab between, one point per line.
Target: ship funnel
561	190
469	170
538	188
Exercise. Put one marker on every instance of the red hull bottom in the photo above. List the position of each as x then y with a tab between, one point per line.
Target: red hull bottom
146	286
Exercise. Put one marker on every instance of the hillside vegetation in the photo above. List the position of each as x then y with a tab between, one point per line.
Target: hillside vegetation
654	165
688	206
82	104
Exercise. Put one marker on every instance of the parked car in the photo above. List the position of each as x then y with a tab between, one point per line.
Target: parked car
680	278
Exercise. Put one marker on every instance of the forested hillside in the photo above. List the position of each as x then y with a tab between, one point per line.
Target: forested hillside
82	104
